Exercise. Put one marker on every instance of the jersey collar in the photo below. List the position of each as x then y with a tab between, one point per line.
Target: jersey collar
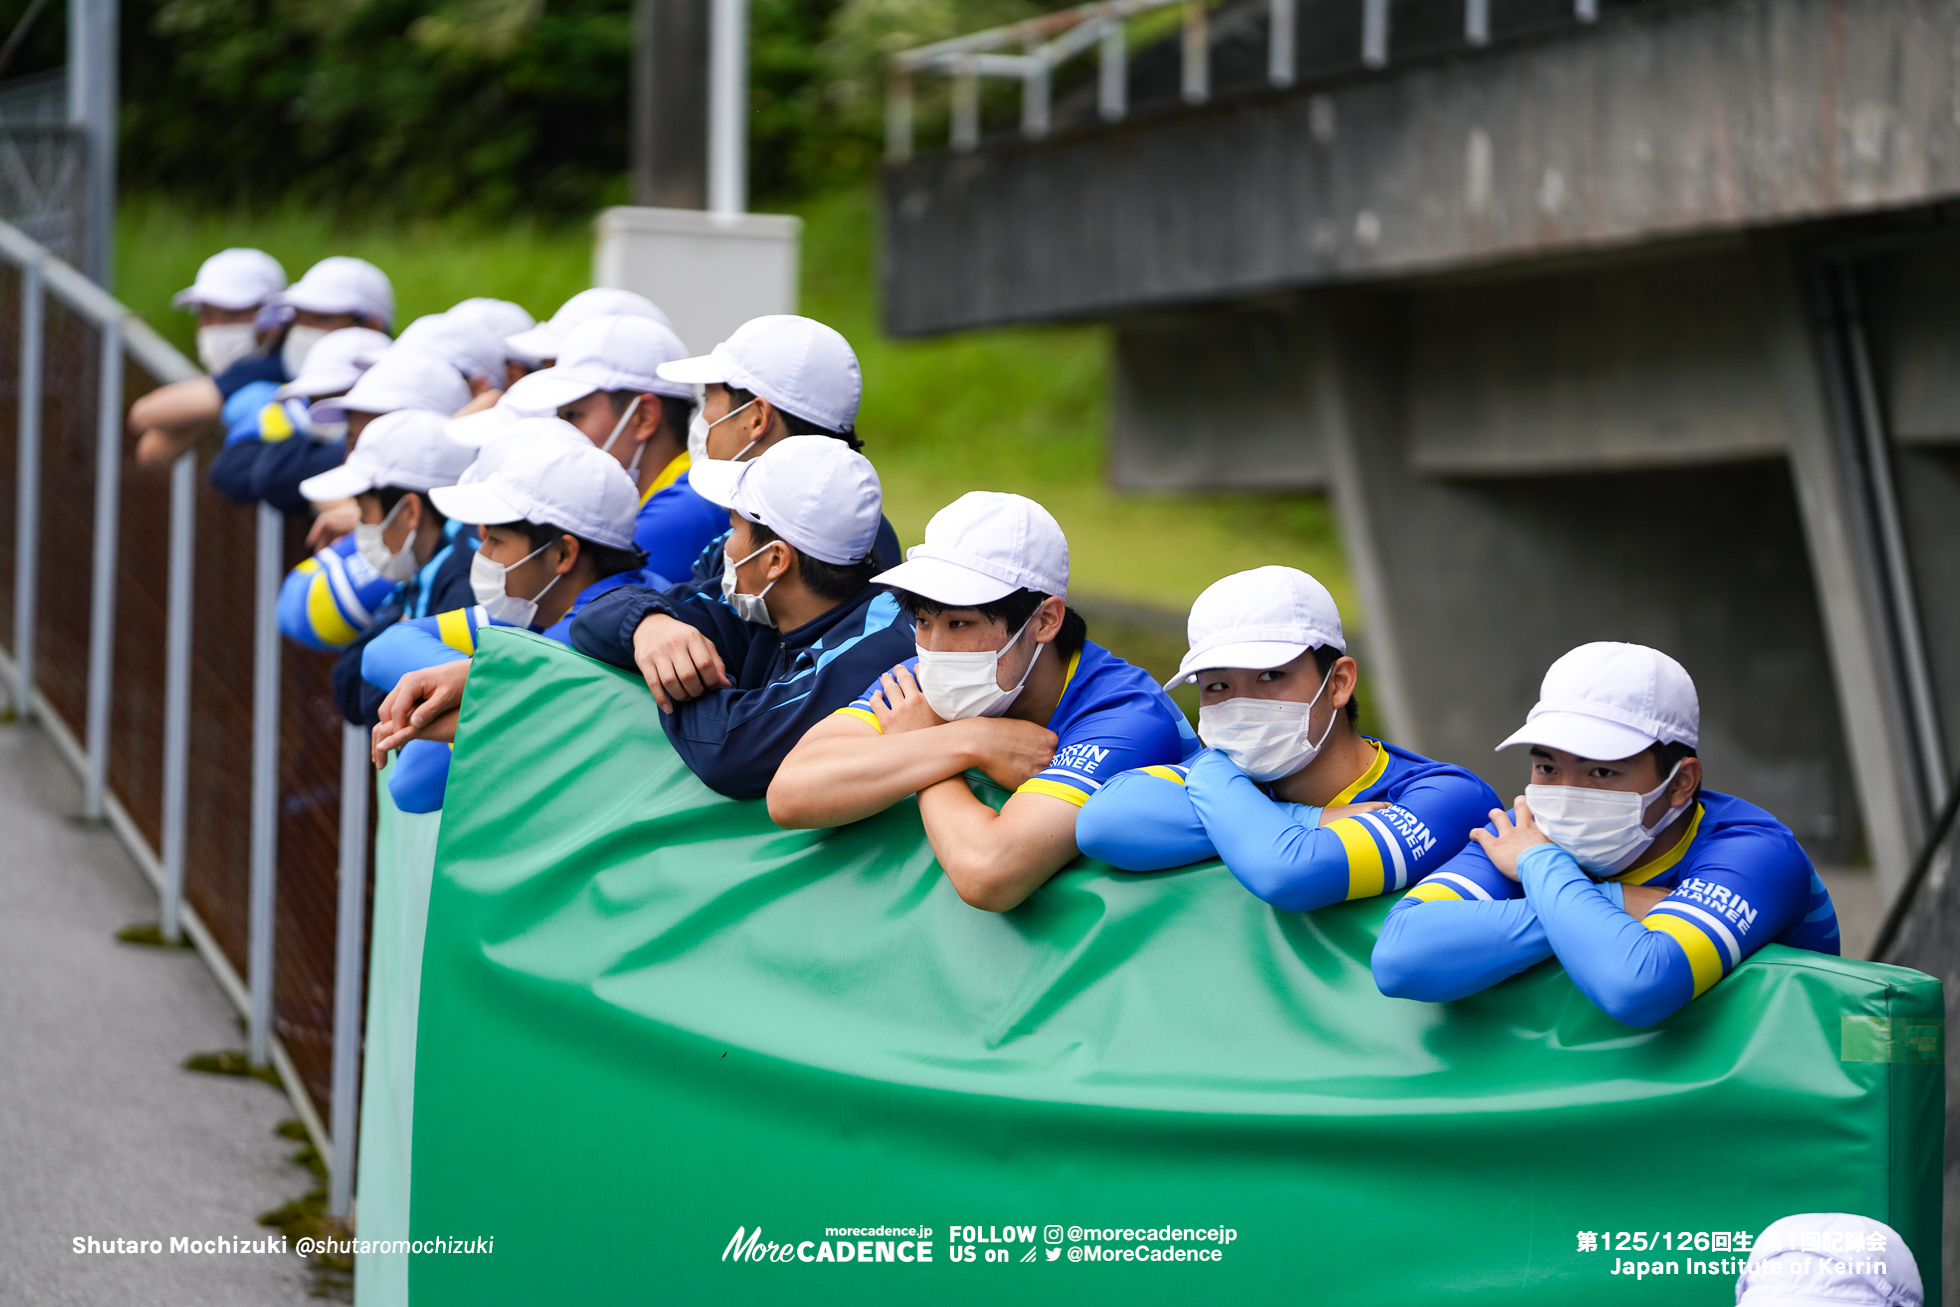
675	468
1366	779
1667	860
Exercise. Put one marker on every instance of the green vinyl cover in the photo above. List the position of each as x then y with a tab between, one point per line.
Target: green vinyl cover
659	1035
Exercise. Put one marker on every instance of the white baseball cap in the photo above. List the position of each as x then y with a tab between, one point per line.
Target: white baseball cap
797	364
814	491
1262	618
408	378
574	487
233	279
498	317
1829	1259
983	546
405	448
1606	701
335	363
546	340
520	435
613	352
459	342
342	285
525	398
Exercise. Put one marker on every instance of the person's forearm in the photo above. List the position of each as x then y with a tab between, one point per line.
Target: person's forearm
192	405
1449	948
976	847
1635	975
1141	822
1293	867
836	779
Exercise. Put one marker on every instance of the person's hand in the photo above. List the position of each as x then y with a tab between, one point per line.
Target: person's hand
337	518
1009	750
417	700
1512	838
157	448
678	661
1328	816
901	705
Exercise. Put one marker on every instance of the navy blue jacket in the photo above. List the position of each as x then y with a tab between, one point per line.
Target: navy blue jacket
785	682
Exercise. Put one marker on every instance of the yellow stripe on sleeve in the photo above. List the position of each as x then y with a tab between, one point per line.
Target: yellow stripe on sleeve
1163	773
323	614
1703	958
1054	790
862	716
1366	877
273	423
1429	891
454	628
308	566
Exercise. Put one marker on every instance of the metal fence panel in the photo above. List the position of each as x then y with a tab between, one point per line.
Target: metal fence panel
68	439
142	590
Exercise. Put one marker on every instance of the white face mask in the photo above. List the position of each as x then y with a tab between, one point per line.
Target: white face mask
1265	738
487	578
961	685
698	428
398	565
1601	829
218	347
749	608
299	343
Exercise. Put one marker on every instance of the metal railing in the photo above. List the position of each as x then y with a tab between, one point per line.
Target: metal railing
261	861
1031	51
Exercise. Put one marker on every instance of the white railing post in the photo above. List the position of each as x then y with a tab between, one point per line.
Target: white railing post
265	779
1476	21
1112	72
1374	33
177	688
898	116
27	521
1034	97
1279	44
350	927
966	106
102	587
1197	53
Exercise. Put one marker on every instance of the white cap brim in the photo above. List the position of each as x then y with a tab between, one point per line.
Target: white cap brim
317	384
701	370
556	387
718	479
480	504
536	345
1259	655
1592	738
343	482
943	582
193	298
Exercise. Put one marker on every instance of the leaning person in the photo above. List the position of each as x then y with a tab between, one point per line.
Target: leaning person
557	527
1615	860
1003	679
232	288
1301	807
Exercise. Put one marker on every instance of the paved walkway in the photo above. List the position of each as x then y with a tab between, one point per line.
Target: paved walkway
102	1131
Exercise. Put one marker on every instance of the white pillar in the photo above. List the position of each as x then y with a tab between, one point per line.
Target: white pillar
728	106
93	105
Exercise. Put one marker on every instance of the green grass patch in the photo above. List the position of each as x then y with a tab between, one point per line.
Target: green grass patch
1020	409
149	934
232	1062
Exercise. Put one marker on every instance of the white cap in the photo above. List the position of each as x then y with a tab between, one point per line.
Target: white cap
814	491
408	378
1606	701
498	317
233	279
574	487
1829	1259
525	398
342	285
1261	619
335	362
613	352
797	364
546	340
521	434
405	448
465	345
983	546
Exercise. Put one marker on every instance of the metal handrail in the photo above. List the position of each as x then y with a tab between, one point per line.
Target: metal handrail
1051	39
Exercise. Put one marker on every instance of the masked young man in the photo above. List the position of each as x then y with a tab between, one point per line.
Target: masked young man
1615	860
1301	807
1003	680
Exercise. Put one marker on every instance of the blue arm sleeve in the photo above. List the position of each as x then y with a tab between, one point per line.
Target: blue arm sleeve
1438	950
1278	851
420	776
411	646
1143	821
1636	971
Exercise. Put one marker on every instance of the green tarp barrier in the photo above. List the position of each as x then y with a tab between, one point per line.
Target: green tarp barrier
651	1021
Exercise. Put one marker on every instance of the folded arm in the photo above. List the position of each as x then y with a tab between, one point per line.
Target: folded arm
996	859
1638	971
1143	821
844	770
